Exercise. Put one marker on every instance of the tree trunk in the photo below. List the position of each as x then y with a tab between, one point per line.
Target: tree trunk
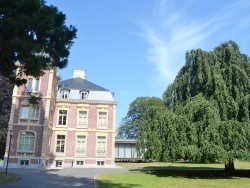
229	166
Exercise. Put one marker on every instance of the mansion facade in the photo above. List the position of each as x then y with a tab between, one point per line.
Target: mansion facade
72	126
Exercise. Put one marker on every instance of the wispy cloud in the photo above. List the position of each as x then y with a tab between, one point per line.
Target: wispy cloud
173	33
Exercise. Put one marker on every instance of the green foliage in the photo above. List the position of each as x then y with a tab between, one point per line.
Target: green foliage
161	134
206	118
6	89
33	38
202	130
33	35
212	92
129	126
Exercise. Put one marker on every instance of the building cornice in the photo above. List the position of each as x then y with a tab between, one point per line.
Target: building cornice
72	101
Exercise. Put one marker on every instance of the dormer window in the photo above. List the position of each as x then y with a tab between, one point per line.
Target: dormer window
65	94
84	94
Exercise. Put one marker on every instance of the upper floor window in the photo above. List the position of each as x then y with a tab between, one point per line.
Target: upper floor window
82	119
26	142
25	112
35	113
62	120
60	143
102	120
84	94
30	112
33	85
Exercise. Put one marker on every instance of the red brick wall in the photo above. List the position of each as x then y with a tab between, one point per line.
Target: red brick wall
70	144
108	162
92	117
52	145
42	112
90	161
44	83
110	117
17	111
91	145
13	160
34	161
72	116
109	145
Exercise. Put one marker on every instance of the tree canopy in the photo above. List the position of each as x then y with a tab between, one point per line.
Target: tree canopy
34	36
209	99
129	126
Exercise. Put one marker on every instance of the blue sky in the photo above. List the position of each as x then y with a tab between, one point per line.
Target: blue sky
135	48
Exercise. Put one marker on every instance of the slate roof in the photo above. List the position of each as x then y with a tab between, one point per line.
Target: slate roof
81	84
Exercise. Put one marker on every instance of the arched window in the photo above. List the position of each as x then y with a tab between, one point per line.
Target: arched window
26	142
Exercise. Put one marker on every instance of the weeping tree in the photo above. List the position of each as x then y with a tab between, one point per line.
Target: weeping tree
202	130
220	81
161	135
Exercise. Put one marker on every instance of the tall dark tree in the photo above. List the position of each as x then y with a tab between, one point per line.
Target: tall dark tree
6	89
221	77
33	36
129	126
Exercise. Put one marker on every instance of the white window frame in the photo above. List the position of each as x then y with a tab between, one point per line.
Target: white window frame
35	112
59	161
82	114
30	112
100	163
33	85
84	95
62	142
61	116
101	146
24	112
102	121
80	161
26	160
65	94
81	145
26	140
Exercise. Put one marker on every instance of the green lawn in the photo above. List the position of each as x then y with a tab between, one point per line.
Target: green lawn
238	165
161	175
7	178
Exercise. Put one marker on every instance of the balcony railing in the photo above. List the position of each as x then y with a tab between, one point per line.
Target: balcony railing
80	151
101	153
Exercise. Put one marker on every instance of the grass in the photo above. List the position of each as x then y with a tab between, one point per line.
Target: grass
7	178
238	165
178	174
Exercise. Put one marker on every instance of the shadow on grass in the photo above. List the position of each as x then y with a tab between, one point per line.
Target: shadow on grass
110	184
194	172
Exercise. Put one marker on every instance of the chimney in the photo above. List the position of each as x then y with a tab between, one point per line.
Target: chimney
80	73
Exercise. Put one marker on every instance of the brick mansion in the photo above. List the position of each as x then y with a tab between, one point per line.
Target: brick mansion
72	126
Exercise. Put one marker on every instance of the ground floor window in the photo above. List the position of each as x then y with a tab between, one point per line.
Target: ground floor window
59	163
79	163
24	162
100	163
